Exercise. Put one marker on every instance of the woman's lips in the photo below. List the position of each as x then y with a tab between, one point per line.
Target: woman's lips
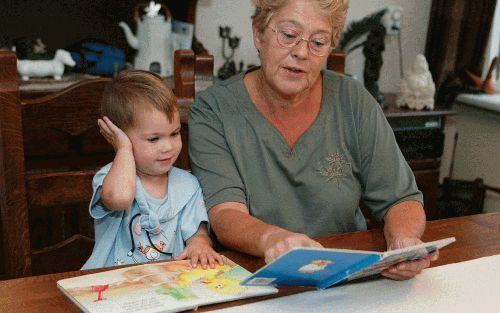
294	71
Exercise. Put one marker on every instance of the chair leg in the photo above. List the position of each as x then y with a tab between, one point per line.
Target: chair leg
478	194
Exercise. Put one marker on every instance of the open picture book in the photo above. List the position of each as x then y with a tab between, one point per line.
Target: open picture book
159	287
324	267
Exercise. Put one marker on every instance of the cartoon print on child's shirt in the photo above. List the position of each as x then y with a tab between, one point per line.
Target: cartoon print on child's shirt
137	228
150	252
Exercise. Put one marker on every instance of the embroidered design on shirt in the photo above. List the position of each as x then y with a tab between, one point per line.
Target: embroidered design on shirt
334	167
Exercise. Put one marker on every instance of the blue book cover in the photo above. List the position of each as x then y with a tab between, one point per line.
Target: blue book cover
323	268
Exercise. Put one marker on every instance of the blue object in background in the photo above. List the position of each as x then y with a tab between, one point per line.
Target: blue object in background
98	58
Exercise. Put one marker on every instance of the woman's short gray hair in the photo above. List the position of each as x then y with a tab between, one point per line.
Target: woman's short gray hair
336	9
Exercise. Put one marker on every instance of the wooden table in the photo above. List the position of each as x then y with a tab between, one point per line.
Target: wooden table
477	236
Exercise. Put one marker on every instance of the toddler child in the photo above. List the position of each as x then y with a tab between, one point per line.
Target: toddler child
144	208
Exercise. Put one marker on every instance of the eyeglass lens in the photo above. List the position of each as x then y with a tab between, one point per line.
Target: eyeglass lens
319	44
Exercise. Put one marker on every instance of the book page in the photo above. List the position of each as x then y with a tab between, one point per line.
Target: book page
159	287
404	254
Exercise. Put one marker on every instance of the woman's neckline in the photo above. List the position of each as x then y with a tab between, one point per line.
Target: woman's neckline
291	146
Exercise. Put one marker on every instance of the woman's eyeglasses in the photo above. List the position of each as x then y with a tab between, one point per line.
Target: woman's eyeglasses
318	44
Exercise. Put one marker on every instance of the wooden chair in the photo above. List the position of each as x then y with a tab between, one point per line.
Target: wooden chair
191	74
50	149
336	61
463	197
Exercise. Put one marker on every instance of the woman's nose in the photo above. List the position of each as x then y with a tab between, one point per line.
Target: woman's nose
301	49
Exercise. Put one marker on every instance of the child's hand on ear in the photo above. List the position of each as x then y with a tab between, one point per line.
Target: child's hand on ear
114	135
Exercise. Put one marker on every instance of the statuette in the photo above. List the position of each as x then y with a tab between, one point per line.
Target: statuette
417	87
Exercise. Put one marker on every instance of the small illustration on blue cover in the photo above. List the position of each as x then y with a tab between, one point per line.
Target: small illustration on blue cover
315	266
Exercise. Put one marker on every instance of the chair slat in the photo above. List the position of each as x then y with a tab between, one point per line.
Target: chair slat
73	110
59	188
65	256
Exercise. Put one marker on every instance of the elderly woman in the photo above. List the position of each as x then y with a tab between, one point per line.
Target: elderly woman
286	151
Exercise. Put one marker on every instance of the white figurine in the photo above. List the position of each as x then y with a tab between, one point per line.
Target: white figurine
42	68
153	41
392	19
39	47
153	9
417	87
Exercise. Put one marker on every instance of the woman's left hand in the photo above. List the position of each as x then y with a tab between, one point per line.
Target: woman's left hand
408	269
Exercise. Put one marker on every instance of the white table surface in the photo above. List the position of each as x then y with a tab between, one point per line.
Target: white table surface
471	286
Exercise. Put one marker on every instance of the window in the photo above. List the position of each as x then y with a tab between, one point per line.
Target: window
493	48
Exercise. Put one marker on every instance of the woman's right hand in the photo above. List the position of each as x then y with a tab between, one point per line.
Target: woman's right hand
280	241
238	230
113	134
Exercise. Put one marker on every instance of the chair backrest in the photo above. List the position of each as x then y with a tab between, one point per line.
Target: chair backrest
336	61
191	74
463	197
50	148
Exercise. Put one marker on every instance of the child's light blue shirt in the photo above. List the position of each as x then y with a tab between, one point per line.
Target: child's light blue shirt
176	217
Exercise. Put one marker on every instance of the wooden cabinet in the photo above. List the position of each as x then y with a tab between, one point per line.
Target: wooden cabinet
62	23
421	138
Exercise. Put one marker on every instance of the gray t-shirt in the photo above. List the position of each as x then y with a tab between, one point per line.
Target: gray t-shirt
348	153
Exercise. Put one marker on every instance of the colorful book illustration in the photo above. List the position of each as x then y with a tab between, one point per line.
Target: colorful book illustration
323	268
159	287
